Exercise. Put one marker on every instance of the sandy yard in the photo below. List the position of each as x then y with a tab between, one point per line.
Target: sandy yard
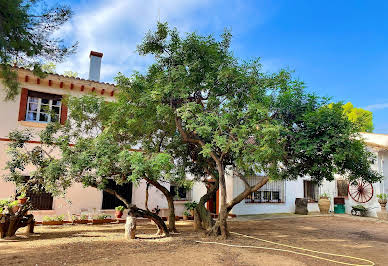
104	245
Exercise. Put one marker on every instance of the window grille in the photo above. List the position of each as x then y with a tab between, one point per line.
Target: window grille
272	192
40	200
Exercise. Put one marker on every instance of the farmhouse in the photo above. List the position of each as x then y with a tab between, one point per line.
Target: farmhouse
29	111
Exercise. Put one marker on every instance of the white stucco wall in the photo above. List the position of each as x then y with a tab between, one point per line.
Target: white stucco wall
77	197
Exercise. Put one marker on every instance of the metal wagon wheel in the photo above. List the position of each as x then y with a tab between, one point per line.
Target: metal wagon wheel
360	191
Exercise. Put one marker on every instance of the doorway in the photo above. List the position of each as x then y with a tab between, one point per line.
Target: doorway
212	205
109	201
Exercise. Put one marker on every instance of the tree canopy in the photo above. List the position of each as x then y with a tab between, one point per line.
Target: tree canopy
361	117
26	38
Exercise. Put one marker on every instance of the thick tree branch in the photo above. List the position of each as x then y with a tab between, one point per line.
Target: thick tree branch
246	192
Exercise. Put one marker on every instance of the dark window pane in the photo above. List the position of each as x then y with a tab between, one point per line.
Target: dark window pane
182	192
55	110
276	196
43	117
267	195
45	101
56	103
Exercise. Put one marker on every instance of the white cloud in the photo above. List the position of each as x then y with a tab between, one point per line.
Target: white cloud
115	27
377	106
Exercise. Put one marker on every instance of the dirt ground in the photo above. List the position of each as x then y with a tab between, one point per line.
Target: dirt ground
104	245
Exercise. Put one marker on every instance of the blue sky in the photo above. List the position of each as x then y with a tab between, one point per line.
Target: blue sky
338	48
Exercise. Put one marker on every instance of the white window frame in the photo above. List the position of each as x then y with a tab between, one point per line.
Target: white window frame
39	103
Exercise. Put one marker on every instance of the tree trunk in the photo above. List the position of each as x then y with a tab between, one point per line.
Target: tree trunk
137	212
130	226
171	216
170	201
202	217
146	196
11	222
221	226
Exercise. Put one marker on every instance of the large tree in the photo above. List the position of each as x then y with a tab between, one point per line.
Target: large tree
95	148
234	116
27	28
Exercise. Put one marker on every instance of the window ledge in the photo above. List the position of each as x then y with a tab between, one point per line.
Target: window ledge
32	124
182	201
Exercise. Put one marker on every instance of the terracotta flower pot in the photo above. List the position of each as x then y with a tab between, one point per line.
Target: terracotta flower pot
80	221
53	222
15	209
119	214
324	205
383	203
22	200
185	217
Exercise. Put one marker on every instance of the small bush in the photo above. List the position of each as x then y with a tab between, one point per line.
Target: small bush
55	218
191	205
120	208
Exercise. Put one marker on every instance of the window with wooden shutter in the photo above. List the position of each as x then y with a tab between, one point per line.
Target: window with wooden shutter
41	107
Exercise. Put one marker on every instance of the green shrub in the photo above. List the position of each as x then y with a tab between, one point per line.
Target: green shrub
55	218
21	196
191	205
382	196
7	203
120	208
186	213
102	216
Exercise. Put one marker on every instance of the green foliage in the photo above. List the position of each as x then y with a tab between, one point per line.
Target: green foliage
26	38
70	73
363	119
49	68
55	218
382	196
101	216
6	204
360	208
186	213
120	208
191	205
22	196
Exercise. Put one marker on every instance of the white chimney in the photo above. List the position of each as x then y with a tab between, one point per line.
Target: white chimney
95	65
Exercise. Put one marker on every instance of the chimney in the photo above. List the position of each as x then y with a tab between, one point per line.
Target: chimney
95	65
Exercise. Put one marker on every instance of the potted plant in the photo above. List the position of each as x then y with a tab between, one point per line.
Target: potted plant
54	220
7	204
190	206
324	203
101	219
82	219
119	211
382	198
186	215
22	199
